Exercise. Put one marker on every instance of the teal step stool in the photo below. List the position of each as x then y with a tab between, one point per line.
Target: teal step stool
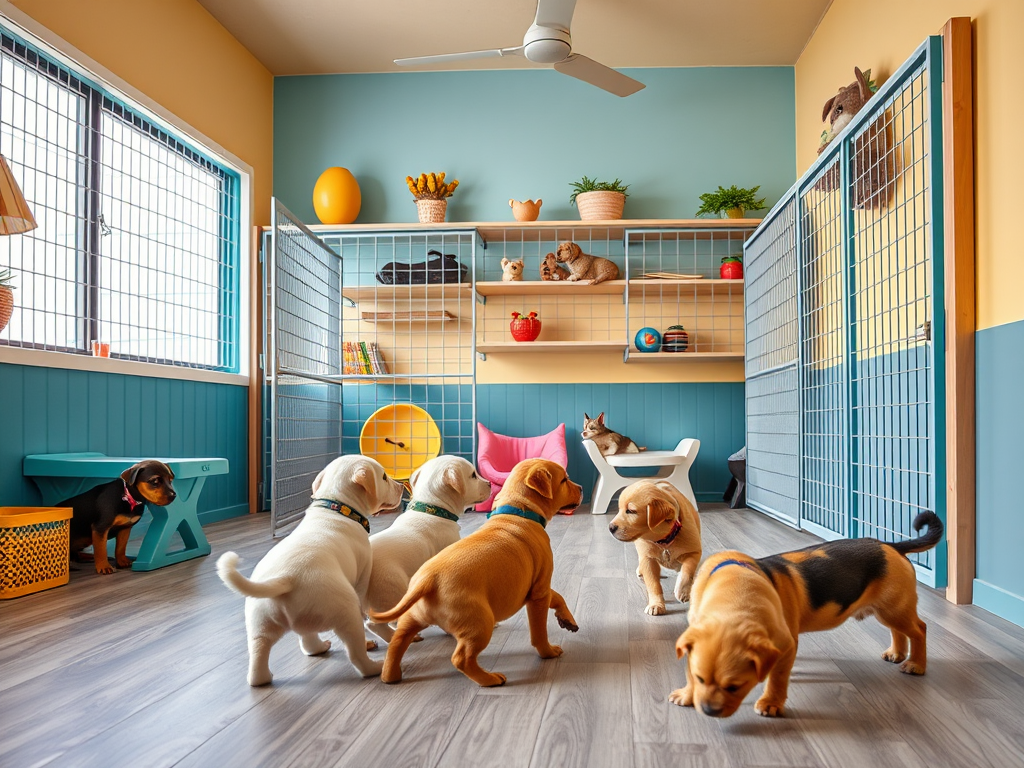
63	475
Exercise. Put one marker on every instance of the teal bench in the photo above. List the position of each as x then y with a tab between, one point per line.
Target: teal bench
60	476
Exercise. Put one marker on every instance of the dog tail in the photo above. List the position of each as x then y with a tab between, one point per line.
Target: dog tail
411	597
227	569
932	537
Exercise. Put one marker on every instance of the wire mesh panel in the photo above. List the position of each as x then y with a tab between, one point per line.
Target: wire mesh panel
773	412
305	364
823	371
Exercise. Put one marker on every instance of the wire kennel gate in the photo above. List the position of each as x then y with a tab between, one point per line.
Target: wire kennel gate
845	330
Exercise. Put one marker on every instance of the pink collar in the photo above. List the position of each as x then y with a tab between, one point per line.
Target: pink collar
676	528
133	503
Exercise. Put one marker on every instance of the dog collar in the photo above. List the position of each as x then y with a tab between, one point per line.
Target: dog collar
342	509
132	501
724	563
506	509
430	509
676	528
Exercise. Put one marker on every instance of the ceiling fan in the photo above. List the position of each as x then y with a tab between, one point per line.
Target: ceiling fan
547	41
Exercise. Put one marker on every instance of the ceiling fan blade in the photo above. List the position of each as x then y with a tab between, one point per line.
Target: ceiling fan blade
555	13
606	78
441	58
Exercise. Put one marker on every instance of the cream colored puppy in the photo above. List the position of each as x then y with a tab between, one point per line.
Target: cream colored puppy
441	490
315	580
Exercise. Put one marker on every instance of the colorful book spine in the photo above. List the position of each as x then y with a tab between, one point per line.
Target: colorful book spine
364	358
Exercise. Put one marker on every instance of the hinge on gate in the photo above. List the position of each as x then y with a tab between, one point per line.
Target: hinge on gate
924	331
261	361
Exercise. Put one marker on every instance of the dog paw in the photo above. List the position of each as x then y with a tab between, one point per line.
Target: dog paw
638	574
768	708
417	638
391	678
682	595
373	669
655	609
682	697
568	624
263	678
894	656
314	648
909	667
495	679
124	562
551	652
104	569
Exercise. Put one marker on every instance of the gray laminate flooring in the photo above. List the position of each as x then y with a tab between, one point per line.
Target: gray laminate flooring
148	669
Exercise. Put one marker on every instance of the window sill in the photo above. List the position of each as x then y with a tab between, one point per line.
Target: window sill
44	359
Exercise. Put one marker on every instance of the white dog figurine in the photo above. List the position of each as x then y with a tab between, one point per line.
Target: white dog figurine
315	580
442	489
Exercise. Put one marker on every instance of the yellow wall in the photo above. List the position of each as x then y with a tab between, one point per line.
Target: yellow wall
881	34
179	56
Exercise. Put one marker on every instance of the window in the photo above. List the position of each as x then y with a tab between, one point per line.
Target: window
137	244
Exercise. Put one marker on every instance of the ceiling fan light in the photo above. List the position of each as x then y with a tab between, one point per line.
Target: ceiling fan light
547	51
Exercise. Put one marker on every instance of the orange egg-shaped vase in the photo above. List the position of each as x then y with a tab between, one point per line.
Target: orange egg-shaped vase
336	197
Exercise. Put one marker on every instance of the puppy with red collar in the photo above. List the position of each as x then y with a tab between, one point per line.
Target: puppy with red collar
665	528
113	508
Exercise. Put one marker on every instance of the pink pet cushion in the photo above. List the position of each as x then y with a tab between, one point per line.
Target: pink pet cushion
498	454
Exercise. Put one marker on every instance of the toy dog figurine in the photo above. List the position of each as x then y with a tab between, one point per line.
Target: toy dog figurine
549	269
511	270
584	267
113	508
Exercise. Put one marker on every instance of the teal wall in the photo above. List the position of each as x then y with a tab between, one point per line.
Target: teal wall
999	586
528	133
52	410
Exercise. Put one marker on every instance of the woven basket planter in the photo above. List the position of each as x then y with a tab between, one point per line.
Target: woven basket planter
431	211
600	206
6	306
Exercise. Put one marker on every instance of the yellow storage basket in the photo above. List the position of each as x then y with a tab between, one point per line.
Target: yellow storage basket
34	543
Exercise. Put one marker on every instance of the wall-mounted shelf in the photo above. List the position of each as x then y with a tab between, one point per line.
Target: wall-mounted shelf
557	347
379	293
416	316
683	357
550	288
640	287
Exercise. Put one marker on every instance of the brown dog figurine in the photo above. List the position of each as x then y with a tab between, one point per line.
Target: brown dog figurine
583	266
549	269
665	528
489	575
746	615
113	508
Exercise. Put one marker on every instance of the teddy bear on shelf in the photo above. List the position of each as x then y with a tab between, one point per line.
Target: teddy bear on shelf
511	270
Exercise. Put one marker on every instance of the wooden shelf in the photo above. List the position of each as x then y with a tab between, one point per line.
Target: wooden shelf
560	347
640	287
550	288
683	357
378	292
415	316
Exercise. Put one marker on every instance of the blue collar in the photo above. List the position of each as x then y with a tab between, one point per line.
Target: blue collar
431	509
342	509
506	509
745	564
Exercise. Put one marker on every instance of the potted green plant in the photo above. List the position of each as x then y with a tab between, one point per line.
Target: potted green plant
598	200
6	297
735	201
732	267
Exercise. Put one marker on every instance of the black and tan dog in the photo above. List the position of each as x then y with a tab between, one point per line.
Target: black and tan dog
746	615
113	508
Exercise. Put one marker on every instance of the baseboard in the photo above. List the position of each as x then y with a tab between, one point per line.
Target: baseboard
998	601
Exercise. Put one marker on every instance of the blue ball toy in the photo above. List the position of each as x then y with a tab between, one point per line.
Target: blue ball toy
647	340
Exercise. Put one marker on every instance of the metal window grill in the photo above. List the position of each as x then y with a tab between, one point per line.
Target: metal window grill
871	325
137	243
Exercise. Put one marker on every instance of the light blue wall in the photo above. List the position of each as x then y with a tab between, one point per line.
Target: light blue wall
999	586
52	410
528	133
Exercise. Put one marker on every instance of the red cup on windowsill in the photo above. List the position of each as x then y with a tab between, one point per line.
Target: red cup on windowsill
100	349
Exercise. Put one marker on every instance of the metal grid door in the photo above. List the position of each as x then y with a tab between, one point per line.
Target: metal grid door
773	412
304	324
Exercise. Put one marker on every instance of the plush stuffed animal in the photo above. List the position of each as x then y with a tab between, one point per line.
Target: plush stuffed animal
511	270
549	269
840	109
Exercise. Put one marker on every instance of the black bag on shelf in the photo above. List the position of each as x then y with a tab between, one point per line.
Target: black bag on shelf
444	268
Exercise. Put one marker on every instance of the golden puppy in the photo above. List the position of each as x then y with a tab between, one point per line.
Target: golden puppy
665	528
489	575
746	614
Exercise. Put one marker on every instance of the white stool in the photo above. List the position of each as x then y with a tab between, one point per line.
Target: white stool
675	469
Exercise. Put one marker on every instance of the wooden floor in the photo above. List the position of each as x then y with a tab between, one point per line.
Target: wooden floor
148	669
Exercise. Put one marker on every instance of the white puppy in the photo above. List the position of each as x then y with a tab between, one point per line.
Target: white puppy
315	580
441	490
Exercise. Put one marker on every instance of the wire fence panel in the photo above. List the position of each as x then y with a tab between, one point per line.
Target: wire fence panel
773	412
305	361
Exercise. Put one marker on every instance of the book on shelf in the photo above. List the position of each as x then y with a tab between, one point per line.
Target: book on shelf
365	358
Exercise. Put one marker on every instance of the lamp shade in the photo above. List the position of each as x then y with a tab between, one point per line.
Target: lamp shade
15	216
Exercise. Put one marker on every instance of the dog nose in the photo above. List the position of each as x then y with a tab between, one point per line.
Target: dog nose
173	495
613	528
711	710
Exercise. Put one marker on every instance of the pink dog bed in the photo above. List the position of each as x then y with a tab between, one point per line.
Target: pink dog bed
498	454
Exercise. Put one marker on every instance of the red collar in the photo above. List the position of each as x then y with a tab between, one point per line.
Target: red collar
676	528
132	502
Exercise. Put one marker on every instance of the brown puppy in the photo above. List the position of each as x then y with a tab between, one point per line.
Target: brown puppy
489	575
583	266
746	614
665	528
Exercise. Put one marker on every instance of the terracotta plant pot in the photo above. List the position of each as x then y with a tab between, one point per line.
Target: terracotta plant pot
6	305
527	210
431	211
600	206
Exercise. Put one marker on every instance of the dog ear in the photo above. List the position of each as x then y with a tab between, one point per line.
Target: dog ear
365	478
131	474
827	109
455	479
319	479
414	478
600	418
763	654
504	262
862	85
685	642
541	481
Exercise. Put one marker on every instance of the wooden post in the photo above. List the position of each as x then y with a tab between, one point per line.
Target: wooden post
255	373
958	183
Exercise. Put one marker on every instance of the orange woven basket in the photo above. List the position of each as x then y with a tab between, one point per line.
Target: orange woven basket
34	544
600	205
6	305
431	211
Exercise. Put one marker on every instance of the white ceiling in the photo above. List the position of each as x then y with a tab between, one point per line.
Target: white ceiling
297	37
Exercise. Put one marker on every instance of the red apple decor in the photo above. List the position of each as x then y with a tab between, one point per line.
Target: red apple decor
732	268
525	328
